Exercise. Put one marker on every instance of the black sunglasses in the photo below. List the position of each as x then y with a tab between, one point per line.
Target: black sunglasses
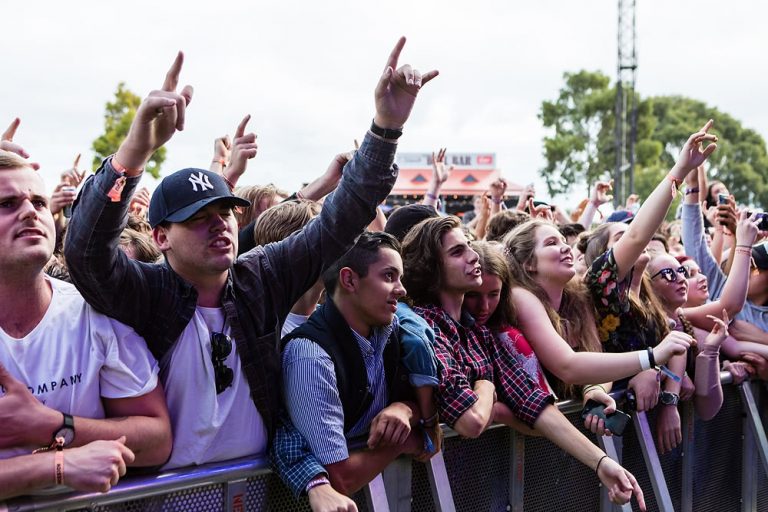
670	274
221	347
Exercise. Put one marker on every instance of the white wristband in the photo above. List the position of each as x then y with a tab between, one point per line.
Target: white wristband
645	362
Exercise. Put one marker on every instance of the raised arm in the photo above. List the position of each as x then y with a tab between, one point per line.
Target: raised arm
439	176
600	195
571	367
734	293
651	214
366	181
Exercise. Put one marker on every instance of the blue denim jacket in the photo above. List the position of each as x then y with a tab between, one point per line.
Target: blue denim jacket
262	284
418	341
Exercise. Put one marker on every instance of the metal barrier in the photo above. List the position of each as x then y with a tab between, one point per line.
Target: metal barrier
721	466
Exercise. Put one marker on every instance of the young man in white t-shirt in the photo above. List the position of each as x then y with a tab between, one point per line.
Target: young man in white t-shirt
66	384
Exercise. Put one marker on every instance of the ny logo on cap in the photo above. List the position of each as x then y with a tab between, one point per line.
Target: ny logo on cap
202	180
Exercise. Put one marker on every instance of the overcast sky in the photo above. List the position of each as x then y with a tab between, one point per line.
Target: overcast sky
306	71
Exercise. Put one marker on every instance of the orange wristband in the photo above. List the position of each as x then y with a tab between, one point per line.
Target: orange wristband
58	461
121	169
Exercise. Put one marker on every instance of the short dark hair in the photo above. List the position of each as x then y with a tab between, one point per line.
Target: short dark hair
568	230
503	222
360	257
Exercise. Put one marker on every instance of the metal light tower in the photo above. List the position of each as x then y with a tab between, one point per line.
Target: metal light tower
626	106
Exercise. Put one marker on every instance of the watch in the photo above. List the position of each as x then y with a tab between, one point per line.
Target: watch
669	398
385	133
66	431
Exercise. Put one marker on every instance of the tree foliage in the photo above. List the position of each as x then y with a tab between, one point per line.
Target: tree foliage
118	117
581	148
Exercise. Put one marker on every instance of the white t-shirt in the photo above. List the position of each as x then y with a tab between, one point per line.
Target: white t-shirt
208	427
75	356
292	321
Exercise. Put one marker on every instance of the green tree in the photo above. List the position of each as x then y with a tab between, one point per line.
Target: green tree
581	148
118	117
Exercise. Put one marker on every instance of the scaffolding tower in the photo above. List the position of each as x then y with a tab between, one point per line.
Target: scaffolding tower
626	105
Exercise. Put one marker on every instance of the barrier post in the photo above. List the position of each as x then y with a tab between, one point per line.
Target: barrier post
517	471
612	446
397	482
439	484
689	442
376	495
652	464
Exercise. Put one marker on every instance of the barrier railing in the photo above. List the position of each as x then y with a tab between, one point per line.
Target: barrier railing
721	465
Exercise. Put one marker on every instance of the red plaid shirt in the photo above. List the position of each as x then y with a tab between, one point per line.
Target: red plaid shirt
467	352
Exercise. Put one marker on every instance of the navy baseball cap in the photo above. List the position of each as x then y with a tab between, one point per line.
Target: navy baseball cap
624	216
183	193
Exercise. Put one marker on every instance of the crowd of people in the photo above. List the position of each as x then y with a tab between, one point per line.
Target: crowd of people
206	321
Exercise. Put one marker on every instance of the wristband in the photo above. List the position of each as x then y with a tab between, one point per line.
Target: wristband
676	182
430	196
743	250
651	357
597	468
694	190
229	183
496	201
121	169
385	133
315	482
58	461
746	246
645	362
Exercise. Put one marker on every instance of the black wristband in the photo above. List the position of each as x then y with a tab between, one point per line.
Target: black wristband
651	358
385	133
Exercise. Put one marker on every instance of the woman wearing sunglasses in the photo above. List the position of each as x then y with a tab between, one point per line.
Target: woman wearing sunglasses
669	281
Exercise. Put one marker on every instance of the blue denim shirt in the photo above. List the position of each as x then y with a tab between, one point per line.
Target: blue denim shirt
262	284
418	341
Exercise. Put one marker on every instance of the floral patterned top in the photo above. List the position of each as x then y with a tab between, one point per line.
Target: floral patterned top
619	328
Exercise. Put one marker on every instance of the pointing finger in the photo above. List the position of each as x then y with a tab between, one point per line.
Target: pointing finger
395	54
77	162
241	127
10	132
172	77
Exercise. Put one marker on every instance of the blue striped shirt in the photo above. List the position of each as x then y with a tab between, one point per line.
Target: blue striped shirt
312	397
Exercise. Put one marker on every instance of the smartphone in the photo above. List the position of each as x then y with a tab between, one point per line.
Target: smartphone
616	422
722	199
763	224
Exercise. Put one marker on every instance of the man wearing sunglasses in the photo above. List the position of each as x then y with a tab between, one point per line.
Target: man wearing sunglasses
211	319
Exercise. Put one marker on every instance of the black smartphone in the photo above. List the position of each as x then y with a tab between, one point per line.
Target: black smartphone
722	199
763	224
616	422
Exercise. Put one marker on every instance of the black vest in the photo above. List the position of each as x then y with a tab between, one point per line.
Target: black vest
327	328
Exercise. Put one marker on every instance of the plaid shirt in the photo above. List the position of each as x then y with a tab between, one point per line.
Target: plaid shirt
467	353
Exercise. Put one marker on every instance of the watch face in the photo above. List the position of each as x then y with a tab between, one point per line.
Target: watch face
67	433
668	399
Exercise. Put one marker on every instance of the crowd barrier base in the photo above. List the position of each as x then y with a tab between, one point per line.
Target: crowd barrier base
722	465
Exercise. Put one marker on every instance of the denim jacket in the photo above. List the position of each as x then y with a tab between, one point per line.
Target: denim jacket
262	284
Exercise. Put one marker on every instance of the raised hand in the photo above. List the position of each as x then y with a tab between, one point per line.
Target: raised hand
693	154
601	193
243	149
719	331
397	89
63	195
746	228
222	147
139	204
543	211
157	119
7	144
498	188
439	172
73	177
